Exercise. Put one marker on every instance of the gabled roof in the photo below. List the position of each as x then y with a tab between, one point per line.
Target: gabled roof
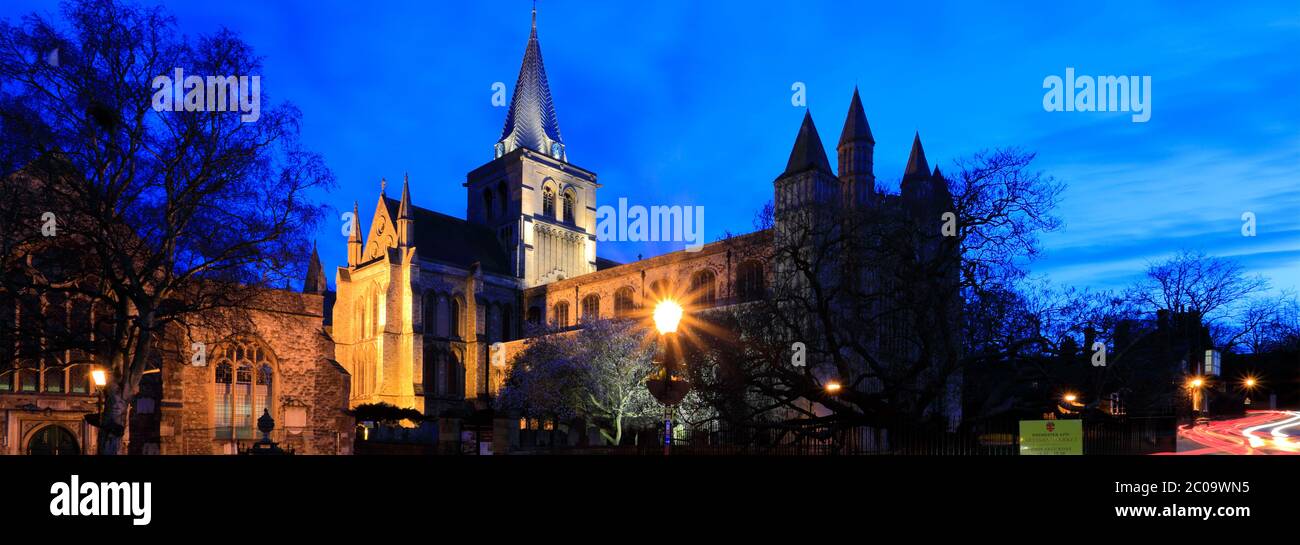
856	128
808	152
439	237
531	122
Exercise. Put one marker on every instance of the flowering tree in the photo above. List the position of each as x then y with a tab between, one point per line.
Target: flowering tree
596	374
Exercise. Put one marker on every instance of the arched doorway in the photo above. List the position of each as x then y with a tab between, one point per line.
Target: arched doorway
53	440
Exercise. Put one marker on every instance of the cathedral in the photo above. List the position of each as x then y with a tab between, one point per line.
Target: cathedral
431	308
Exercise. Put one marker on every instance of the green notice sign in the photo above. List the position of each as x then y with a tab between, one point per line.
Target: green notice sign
1051	437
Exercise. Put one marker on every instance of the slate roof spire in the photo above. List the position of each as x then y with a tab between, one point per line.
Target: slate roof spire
917	167
856	128
315	282
531	122
808	152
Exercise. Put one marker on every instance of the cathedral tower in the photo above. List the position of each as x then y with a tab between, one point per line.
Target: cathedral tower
856	150
807	189
541	206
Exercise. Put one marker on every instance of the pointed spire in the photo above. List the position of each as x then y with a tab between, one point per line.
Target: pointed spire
937	174
405	216
917	167
315	282
356	224
404	209
531	122
856	128
808	152
354	238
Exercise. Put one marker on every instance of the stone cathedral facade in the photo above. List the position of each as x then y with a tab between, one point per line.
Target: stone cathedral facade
430	308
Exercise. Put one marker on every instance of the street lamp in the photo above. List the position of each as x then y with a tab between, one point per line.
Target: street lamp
1194	384
668	313
99	377
833	387
1070	398
668	386
1249	384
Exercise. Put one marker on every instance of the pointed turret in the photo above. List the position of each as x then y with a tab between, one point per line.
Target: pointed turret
531	122
856	128
405	217
354	238
941	188
808	152
917	167
315	282
856	152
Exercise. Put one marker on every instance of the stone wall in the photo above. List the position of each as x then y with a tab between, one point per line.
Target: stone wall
309	392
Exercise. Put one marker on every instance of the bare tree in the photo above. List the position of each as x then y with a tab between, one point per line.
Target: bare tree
877	301
164	219
1192	281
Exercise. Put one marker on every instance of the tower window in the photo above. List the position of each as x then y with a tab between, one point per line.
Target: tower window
569	200
548	202
488	210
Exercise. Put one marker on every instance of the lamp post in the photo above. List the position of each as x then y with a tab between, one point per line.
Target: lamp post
99	377
668	386
1249	383
1194	385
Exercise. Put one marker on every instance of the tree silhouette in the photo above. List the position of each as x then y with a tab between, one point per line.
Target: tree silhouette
165	221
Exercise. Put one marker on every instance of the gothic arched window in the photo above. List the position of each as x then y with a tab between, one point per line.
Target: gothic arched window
749	281
659	290
430	314
590	308
570	202
561	318
242	378
623	305
548	202
704	288
488	209
453	319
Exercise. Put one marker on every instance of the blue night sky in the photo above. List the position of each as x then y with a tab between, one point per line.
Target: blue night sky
689	103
